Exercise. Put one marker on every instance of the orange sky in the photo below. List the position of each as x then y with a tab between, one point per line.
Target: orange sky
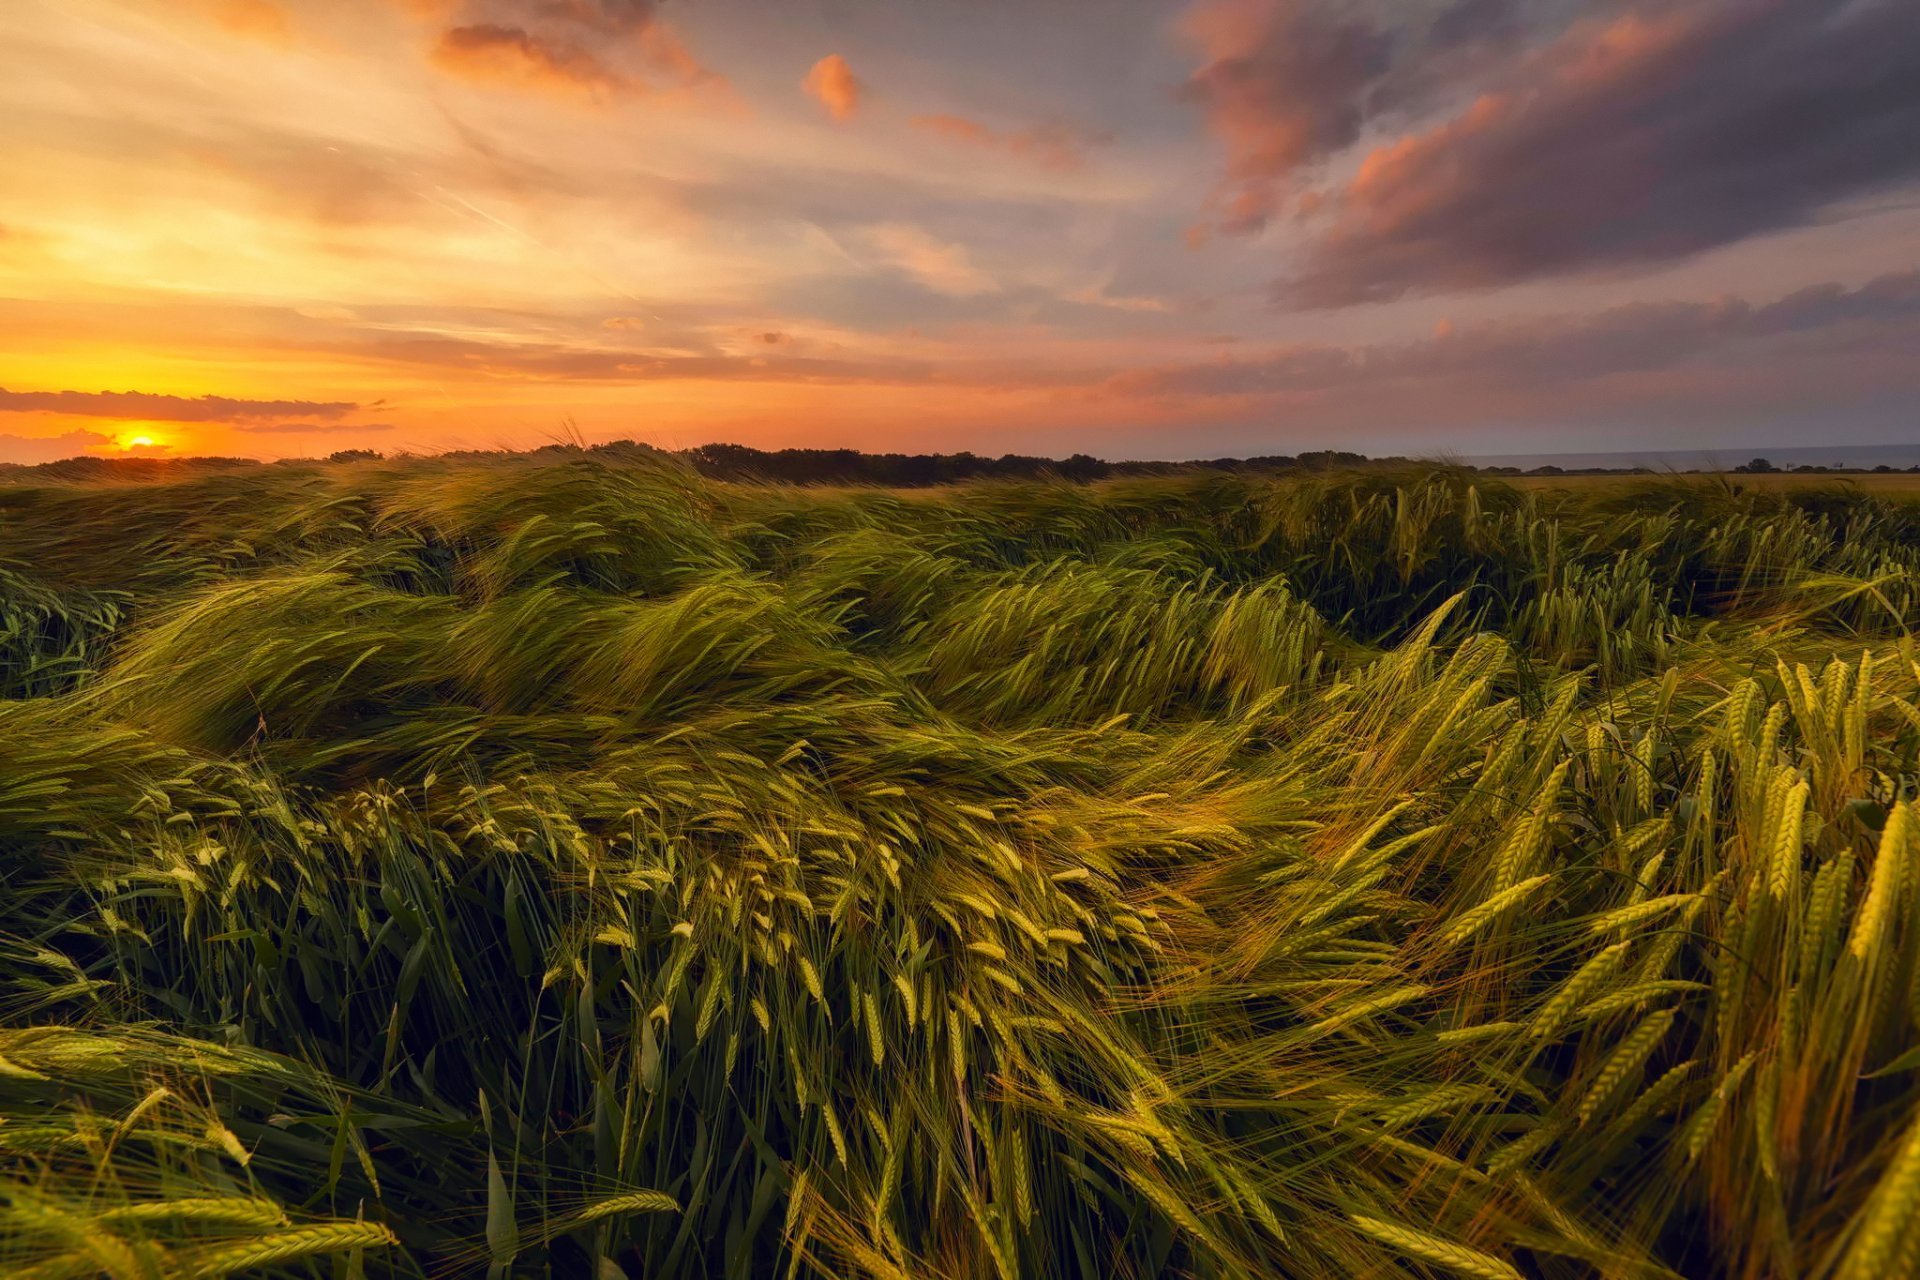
284	227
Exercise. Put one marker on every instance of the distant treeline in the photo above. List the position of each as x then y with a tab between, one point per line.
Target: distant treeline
850	466
846	466
740	462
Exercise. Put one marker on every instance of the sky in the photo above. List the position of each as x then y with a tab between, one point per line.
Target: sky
281	228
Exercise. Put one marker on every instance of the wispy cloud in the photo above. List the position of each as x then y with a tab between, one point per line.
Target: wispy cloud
146	406
1554	352
939	265
1051	146
314	428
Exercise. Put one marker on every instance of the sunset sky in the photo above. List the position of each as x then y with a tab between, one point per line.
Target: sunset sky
1128	228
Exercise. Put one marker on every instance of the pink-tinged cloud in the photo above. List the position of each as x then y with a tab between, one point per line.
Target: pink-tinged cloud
597	48
1289	85
831	82
147	406
515	56
1522	141
1051	146
1282	84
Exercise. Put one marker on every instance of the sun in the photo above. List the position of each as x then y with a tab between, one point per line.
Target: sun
139	438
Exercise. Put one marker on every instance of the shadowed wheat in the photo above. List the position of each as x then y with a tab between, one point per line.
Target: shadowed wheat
505	868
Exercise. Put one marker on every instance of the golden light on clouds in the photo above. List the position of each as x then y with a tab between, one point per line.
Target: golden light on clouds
286	227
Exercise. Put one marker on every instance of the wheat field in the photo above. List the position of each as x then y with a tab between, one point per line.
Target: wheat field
568	866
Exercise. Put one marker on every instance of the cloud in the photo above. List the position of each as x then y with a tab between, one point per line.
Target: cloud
1052	146
1506	140
551	362
663	52
1546	354
1290	86
1554	352
344	185
832	82
1470	21
1097	296
262	20
314	428
513	55
146	406
936	264
34	449
580	18
1282	84
748	356
599	48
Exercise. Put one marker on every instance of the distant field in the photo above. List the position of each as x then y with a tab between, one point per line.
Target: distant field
1892	483
568	867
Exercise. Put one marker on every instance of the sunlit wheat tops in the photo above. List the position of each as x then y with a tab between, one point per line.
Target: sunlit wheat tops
507	867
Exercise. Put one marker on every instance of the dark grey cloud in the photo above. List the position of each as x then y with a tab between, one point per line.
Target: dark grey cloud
1495	141
1471	21
147	406
614	16
1289	84
1627	143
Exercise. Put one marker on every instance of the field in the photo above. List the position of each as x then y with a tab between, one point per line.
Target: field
569	866
1896	484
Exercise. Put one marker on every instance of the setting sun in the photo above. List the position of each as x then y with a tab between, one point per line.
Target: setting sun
140	442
